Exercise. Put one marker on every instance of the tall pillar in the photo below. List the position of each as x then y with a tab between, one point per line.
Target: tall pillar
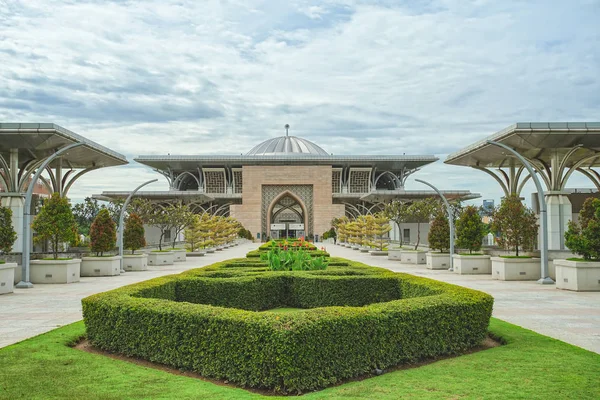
560	212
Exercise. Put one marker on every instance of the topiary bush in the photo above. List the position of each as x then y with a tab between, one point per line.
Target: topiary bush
55	222
215	321
103	233
134	233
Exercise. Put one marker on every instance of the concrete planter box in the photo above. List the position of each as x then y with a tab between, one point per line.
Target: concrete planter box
468	265
378	253
210	251
179	254
196	254
413	256
580	276
135	262
438	260
355	248
516	269
395	254
161	258
7	277
100	266
54	271
364	250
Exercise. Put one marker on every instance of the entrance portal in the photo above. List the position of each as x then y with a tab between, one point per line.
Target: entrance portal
287	218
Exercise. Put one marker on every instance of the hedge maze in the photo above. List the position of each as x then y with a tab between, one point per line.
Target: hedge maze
216	321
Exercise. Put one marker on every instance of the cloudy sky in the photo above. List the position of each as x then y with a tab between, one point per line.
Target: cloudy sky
356	77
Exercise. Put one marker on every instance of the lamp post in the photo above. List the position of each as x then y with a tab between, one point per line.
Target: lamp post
545	279
25	283
122	218
450	212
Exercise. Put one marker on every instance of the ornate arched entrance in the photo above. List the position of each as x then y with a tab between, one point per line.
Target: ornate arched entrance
287	217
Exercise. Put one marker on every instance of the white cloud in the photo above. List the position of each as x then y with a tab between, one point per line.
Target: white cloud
357	77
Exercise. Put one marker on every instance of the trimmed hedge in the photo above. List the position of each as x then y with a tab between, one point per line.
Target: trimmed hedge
360	318
313	253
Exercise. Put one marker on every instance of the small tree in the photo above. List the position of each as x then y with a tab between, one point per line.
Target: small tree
398	212
133	233
103	233
55	223
8	236
379	227
180	217
85	213
584	238
439	233
420	212
469	229
516	224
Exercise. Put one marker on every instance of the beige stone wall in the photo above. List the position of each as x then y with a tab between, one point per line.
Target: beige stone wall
254	177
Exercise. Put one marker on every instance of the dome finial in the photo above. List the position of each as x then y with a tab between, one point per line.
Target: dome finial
287	129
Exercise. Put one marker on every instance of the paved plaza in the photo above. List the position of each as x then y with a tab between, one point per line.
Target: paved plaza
30	312
568	316
573	317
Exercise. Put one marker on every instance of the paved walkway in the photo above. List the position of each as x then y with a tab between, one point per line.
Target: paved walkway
30	312
573	317
568	316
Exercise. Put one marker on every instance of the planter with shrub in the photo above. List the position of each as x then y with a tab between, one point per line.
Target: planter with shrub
583	238
439	239
161	257
518	230
56	224
469	236
103	237
8	236
133	239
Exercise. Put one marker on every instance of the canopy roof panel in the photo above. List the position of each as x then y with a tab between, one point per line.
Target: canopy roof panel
38	141
191	163
539	141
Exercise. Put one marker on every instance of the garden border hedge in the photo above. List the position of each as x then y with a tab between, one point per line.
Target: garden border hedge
286	352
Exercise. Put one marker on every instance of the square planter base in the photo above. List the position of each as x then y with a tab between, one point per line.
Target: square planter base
179	255
580	276
54	271
161	258
135	262
438	260
413	257
472	265
100	266
7	277
516	269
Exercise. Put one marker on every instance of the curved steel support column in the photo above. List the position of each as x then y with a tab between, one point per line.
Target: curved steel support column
122	218
77	176
25	283
450	212
545	279
503	185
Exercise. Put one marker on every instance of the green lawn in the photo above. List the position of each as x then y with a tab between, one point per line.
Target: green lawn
529	366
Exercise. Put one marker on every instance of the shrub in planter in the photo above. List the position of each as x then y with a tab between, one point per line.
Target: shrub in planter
55	223
133	233
584	238
103	233
469	229
439	233
8	236
516	223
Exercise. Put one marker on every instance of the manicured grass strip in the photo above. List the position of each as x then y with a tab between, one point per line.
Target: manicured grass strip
529	366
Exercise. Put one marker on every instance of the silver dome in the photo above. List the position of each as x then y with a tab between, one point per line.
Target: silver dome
284	145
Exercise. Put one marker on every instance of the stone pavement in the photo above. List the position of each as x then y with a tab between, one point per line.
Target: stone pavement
568	316
573	317
30	312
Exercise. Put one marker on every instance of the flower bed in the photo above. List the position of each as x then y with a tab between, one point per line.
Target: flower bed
207	320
